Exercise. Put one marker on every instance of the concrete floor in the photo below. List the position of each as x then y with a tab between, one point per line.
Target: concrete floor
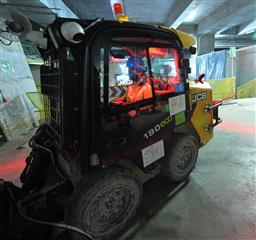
219	200
13	155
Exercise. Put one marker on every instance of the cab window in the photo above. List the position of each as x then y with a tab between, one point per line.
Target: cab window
165	69
128	75
132	71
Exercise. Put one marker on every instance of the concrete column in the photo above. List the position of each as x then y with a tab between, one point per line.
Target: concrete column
205	44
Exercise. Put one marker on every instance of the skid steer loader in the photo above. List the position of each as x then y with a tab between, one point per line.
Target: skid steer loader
89	160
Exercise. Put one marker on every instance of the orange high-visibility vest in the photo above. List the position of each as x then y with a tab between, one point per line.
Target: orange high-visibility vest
135	93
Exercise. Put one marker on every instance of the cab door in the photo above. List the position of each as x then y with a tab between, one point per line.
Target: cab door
132	129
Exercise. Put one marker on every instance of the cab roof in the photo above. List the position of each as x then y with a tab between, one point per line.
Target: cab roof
186	40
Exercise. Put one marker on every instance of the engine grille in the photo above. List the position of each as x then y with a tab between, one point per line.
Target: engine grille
61	93
51	90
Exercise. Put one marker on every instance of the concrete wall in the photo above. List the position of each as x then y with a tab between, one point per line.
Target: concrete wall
246	65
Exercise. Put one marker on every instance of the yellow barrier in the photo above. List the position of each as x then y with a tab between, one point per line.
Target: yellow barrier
37	100
247	90
223	88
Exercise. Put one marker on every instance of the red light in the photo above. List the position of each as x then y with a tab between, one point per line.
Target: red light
118	8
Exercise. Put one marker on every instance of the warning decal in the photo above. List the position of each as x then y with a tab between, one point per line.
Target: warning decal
152	153
177	104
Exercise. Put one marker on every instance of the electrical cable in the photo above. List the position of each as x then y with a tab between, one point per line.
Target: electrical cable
51	224
6	38
94	23
58	225
32	144
6	44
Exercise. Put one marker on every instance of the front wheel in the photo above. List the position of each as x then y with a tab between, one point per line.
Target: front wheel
181	158
104	203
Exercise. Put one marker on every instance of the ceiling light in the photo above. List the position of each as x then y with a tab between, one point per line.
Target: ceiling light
191	15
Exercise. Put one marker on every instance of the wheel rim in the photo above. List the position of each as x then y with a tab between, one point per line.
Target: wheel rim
109	209
185	158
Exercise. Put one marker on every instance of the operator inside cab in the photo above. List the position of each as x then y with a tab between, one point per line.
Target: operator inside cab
139	89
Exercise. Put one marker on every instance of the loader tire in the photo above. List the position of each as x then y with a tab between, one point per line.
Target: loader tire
181	158
104	203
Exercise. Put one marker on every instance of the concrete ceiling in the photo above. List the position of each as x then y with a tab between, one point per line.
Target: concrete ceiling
198	17
41	12
230	19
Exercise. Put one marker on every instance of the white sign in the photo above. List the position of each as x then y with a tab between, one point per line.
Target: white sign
152	153
177	104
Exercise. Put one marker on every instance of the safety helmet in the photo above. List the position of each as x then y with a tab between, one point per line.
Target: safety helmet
136	63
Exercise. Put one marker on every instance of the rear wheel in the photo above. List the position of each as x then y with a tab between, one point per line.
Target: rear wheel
103	204
181	158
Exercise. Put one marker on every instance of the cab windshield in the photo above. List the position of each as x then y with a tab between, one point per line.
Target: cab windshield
132	69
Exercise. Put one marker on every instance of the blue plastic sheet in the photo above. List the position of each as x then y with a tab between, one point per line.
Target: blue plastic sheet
213	65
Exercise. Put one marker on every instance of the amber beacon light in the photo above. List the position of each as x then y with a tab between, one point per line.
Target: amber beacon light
118	10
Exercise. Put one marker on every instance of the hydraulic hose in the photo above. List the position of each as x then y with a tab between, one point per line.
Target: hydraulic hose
33	144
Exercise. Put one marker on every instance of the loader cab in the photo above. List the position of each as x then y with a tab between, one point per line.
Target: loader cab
82	82
121	129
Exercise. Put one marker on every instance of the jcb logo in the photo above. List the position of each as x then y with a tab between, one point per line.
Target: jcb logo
199	97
